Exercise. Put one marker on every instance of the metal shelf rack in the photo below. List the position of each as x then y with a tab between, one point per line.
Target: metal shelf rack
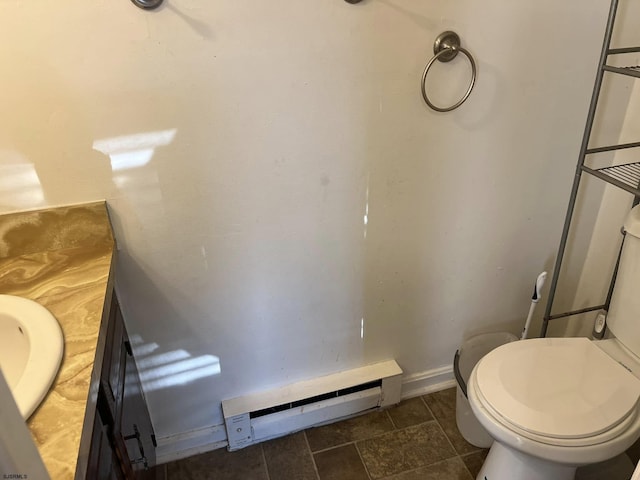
626	177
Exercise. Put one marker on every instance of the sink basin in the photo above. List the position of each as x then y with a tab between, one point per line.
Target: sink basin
31	345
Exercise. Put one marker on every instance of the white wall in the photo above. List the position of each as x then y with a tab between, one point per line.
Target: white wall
266	131
604	246
595	241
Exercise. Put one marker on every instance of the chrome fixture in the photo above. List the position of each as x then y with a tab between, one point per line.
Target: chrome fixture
147	4
446	48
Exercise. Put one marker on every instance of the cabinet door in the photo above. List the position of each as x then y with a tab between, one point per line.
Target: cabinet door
103	464
136	423
111	391
126	439
112	377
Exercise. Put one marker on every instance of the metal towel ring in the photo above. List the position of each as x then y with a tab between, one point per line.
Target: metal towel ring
446	47
147	4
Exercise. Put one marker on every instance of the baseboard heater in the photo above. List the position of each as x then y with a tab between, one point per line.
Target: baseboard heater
273	413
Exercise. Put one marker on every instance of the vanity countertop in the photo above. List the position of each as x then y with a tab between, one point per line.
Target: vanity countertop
62	258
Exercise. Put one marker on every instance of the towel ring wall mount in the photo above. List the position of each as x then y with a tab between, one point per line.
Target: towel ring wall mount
445	48
147	4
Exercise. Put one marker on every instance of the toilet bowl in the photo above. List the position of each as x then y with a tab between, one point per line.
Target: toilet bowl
554	404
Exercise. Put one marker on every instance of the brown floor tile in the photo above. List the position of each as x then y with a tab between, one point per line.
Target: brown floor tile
474	461
358	428
450	428
244	464
412	447
634	452
406	449
410	412
288	458
442	404
450	469
160	472
341	463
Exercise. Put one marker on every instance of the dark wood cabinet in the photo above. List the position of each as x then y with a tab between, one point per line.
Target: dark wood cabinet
137	430
123	441
103	463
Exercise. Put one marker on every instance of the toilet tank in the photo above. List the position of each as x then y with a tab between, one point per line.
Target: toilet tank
623	319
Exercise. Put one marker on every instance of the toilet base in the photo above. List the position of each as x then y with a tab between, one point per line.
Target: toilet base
504	463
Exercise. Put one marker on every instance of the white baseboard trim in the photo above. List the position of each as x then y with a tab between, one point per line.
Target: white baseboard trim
428	381
194	442
187	444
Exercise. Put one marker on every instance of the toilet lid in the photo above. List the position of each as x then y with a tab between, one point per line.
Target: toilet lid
557	387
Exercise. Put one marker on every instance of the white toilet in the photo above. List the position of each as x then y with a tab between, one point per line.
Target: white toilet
554	404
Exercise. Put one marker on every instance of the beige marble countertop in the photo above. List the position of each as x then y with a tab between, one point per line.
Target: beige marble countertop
62	259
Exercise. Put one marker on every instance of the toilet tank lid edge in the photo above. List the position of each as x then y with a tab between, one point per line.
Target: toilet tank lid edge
632	222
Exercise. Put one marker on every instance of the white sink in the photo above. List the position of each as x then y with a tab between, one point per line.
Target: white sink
31	345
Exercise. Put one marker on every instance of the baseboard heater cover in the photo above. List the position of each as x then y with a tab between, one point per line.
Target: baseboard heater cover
265	415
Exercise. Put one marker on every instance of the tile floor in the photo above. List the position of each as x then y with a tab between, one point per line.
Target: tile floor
418	439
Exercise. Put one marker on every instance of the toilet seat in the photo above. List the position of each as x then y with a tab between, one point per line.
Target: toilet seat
558	391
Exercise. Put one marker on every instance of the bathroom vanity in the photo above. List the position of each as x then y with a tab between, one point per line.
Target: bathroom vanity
93	423
122	442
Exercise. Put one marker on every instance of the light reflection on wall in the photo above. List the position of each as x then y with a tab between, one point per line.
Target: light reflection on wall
134	175
133	151
19	183
168	369
366	209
